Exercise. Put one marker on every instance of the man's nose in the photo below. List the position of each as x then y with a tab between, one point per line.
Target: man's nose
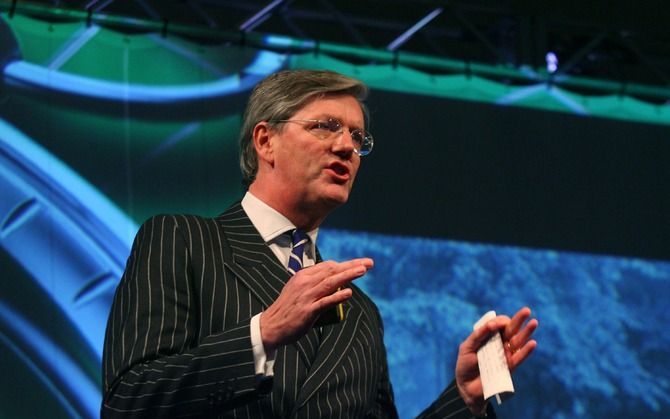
343	142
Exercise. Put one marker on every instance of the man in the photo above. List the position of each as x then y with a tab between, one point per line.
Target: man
216	318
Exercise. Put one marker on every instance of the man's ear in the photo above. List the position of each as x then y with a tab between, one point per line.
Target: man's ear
262	137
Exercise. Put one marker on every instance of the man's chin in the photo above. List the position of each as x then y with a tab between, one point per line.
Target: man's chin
335	199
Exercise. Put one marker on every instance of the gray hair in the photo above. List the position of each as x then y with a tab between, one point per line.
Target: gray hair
280	95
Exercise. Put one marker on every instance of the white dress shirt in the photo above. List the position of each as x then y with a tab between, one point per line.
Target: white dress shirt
272	227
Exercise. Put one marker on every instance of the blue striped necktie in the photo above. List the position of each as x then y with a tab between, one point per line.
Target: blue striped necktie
311	341
299	240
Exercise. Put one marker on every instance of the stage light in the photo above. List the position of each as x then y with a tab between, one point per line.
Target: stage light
552	62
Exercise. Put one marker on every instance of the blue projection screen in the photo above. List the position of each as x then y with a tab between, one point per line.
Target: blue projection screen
465	207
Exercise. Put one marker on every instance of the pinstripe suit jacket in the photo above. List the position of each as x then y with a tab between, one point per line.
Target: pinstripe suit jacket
178	336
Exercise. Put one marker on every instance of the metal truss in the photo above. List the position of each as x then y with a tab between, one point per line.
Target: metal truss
611	48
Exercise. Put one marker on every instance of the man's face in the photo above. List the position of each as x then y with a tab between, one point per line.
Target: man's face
318	174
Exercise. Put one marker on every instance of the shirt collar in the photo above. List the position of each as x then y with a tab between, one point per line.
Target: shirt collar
269	222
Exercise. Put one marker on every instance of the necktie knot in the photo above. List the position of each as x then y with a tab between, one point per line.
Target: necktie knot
299	239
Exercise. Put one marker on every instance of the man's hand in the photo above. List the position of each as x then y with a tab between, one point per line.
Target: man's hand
516	333
308	293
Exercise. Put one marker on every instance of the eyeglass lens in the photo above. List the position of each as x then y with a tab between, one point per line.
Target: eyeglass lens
362	140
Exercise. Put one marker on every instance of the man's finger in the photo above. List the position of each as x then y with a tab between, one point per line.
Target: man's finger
336	267
518	357
517	321
317	281
350	269
479	336
517	341
333	299
357	271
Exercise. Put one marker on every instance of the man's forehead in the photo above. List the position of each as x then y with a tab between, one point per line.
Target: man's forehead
334	105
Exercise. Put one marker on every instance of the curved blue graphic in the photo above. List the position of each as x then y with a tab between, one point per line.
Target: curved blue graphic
29	75
47	209
58	371
73	243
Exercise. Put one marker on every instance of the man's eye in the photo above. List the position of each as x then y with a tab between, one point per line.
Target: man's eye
357	136
323	125
334	125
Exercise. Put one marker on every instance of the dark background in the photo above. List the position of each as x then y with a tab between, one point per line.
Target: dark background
513	175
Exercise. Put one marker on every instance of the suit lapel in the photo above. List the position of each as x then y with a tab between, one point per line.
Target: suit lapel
254	264
248	257
252	261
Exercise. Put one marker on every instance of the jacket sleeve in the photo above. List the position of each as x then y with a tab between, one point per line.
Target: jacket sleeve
450	405
155	364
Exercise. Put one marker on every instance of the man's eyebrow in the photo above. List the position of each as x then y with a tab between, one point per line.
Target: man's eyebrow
352	127
325	117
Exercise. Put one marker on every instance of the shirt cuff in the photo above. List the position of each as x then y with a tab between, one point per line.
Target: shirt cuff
263	363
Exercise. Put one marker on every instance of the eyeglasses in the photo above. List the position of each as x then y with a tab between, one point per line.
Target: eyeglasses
331	129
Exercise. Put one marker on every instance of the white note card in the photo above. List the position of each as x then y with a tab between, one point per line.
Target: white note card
493	369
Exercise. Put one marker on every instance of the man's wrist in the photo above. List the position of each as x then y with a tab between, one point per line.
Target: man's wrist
478	410
263	359
265	333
